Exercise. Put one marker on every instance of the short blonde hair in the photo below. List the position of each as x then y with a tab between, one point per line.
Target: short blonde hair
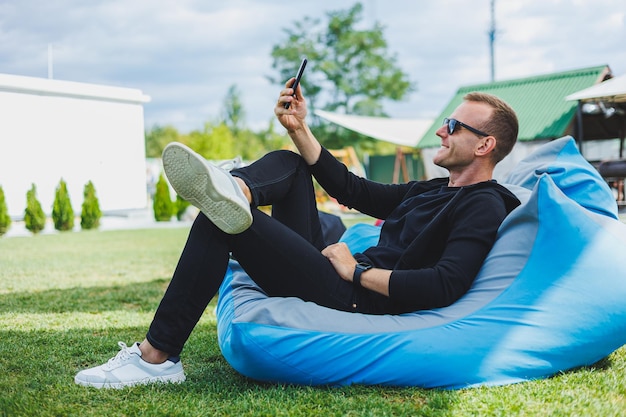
502	125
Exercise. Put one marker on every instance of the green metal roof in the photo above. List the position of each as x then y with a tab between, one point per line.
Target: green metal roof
539	102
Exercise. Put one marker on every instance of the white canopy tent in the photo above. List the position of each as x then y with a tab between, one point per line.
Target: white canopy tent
609	99
605	104
613	90
402	132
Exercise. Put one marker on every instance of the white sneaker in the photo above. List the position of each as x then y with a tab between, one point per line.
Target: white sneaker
127	369
213	190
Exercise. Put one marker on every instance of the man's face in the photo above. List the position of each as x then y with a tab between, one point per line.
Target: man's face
457	149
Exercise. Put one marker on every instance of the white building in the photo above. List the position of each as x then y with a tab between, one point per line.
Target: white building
52	130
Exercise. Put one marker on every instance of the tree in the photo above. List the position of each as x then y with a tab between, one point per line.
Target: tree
353	66
247	144
34	217
234	113
162	205
302	40
214	142
271	139
158	137
350	70
90	214
62	211
5	219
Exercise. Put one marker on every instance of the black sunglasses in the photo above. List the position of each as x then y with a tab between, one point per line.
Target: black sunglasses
453	123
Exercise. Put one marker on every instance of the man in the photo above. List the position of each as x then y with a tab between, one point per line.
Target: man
436	234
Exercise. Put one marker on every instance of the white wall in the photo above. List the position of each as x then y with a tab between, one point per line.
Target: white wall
79	132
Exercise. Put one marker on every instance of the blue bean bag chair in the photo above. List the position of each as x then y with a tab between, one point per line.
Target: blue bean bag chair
551	296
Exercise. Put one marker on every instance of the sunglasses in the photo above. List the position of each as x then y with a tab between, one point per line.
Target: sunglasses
453	124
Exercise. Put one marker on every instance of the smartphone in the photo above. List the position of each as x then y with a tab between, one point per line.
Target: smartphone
298	77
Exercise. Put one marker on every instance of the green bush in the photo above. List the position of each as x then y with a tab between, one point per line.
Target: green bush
34	217
181	206
162	204
62	211
5	219
90	214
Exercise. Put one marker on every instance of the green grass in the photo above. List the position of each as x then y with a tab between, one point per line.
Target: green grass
66	299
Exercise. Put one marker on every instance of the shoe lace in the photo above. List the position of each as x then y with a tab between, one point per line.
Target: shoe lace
231	164
122	356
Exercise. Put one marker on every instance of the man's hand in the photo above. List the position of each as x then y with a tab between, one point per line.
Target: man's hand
375	279
342	260
293	117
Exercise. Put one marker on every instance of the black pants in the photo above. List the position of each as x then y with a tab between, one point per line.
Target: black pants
281	254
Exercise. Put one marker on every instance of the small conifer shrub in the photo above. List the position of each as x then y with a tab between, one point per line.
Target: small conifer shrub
34	217
162	204
5	219
90	214
181	207
62	211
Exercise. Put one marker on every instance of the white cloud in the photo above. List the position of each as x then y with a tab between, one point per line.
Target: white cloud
185	54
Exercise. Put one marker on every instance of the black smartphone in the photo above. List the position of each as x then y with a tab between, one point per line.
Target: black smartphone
298	77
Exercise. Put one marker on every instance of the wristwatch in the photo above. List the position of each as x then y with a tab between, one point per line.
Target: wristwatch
358	270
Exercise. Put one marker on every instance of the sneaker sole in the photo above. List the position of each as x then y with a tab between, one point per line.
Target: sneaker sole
197	183
169	379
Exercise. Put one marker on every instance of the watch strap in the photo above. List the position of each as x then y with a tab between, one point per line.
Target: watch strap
358	270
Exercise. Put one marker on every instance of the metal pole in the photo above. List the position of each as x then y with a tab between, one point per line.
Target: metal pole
492	39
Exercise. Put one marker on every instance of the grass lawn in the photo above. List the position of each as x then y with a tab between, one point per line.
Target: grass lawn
66	299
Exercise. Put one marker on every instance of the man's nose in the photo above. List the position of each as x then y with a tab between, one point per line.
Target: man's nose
442	132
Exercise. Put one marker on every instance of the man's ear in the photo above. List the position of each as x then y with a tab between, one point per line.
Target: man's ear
485	146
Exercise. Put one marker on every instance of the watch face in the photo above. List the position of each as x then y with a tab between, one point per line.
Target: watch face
363	266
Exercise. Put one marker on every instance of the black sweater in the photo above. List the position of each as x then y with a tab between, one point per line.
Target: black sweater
434	238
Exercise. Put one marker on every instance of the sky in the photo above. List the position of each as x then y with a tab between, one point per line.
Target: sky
185	54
